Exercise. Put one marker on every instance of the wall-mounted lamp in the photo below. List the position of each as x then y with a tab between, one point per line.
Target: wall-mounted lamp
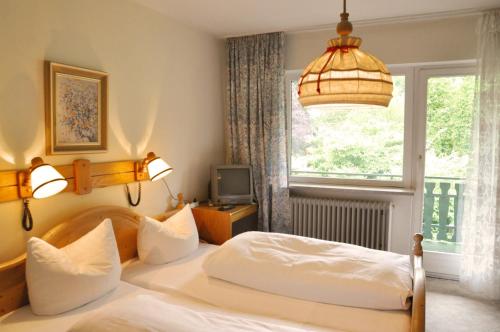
45	181
157	169
153	166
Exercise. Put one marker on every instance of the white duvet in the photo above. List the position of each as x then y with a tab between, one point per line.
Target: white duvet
187	277
314	270
23	319
149	313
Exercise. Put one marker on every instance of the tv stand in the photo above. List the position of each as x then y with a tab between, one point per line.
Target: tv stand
216	227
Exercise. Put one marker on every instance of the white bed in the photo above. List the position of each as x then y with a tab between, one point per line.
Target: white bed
13	289
23	319
184	283
187	277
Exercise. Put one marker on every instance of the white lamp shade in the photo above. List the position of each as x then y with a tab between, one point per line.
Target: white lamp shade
158	168
46	181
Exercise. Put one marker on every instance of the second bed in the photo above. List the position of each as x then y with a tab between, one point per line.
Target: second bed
187	277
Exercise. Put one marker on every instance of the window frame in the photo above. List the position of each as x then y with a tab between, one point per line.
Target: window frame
406	70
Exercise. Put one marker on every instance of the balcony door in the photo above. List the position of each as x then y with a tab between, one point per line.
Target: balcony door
446	97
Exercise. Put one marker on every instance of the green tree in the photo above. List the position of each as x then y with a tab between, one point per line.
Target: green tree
449	114
370	140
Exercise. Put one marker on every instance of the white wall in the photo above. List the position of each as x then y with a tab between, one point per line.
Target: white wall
417	42
165	96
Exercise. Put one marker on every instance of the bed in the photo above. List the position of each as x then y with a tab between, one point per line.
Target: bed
182	282
186	277
23	319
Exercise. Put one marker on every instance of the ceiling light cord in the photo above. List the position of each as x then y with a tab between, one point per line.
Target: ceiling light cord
344	27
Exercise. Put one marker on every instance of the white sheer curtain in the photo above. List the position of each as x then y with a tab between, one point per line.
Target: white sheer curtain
480	272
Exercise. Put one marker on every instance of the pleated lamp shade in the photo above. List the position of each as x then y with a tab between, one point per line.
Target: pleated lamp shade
157	167
46	181
345	75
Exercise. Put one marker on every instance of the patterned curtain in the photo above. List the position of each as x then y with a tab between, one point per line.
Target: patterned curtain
480	272
255	122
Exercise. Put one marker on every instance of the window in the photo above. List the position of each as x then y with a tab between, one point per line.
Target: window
450	104
348	143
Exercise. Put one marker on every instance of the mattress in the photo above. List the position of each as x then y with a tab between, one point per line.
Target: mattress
186	277
23	319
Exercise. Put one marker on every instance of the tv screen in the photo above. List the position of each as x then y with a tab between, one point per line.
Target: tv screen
233	181
231	184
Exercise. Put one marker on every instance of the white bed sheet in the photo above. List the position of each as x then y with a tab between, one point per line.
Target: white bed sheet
23	319
187	277
158	315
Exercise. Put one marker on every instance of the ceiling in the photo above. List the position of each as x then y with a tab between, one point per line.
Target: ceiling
225	18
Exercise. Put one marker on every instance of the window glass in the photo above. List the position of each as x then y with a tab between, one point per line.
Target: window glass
450	104
349	141
449	121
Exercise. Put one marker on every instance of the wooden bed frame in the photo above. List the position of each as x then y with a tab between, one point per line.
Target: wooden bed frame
13	291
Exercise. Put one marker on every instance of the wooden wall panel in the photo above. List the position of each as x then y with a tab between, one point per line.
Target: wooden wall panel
9	193
112	168
8	178
83	182
98	175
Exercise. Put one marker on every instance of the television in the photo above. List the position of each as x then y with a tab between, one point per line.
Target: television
231	184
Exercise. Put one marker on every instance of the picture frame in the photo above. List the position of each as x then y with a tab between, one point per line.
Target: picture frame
76	110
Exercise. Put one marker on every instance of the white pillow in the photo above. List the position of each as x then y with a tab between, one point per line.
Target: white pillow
63	279
163	242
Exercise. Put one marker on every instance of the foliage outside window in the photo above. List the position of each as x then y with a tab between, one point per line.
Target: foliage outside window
349	141
449	122
367	142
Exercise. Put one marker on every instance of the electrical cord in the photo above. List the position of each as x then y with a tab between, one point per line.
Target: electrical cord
136	203
27	218
139	194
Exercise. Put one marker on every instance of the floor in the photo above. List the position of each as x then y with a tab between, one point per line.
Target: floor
449	309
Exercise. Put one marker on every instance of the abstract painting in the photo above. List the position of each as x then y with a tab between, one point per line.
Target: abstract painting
76	110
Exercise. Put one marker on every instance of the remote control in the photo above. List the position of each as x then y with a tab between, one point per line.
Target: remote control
226	207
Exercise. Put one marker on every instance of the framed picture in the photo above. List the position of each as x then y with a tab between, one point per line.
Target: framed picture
76	115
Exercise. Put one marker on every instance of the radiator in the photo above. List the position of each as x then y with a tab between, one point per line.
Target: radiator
362	223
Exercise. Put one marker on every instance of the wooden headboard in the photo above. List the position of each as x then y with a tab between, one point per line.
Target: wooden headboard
13	291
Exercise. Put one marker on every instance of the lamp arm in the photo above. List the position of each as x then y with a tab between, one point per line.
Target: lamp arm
168	188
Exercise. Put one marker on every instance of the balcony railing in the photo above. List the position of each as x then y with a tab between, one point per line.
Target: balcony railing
443	208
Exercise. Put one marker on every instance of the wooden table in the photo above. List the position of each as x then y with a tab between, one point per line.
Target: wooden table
217	227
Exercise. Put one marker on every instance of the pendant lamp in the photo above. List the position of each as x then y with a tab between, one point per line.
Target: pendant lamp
344	74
